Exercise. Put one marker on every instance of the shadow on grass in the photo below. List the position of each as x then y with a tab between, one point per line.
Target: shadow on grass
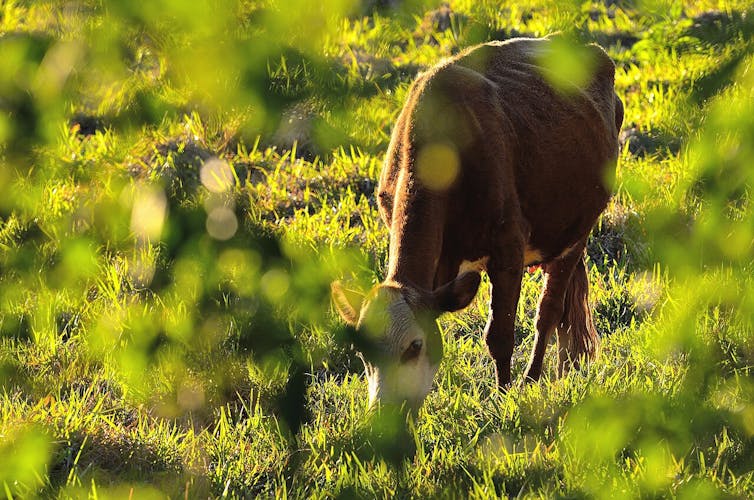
116	457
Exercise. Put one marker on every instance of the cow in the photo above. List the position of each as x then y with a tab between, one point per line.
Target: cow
489	168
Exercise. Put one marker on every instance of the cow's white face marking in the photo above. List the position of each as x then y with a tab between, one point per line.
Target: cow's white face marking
397	334
405	351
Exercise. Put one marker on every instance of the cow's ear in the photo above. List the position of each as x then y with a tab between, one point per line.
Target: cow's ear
458	293
347	302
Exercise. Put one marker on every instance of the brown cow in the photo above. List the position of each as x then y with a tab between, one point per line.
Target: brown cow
488	165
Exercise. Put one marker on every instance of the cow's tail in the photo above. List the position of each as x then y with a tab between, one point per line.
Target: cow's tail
578	341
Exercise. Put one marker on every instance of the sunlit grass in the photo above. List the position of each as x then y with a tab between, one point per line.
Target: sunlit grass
144	353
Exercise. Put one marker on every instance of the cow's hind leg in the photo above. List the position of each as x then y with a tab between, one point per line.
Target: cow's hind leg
577	336
561	304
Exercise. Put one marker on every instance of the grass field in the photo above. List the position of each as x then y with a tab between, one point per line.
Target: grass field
181	181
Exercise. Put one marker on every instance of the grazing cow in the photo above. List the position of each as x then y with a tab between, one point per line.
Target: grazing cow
489	168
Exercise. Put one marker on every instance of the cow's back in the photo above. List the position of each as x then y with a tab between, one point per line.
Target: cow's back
518	140
566	141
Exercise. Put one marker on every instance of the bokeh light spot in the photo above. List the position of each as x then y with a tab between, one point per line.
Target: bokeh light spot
222	223
190	396
148	213
216	175
437	166
275	284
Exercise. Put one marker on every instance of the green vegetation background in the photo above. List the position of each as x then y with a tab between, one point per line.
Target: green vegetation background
180	182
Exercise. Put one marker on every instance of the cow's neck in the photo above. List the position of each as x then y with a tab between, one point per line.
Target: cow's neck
416	236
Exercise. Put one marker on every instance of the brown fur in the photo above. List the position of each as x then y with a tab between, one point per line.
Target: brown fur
531	168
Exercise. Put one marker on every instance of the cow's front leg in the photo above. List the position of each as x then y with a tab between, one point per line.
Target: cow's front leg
505	270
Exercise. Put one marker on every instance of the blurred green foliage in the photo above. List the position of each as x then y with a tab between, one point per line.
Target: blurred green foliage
181	181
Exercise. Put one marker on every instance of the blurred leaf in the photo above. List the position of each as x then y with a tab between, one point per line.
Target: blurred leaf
568	65
24	455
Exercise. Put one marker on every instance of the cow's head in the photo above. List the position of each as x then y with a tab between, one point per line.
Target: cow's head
397	335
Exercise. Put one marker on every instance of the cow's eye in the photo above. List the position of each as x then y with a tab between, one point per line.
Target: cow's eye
413	350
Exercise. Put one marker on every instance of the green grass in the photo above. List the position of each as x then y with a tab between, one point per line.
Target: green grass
140	356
